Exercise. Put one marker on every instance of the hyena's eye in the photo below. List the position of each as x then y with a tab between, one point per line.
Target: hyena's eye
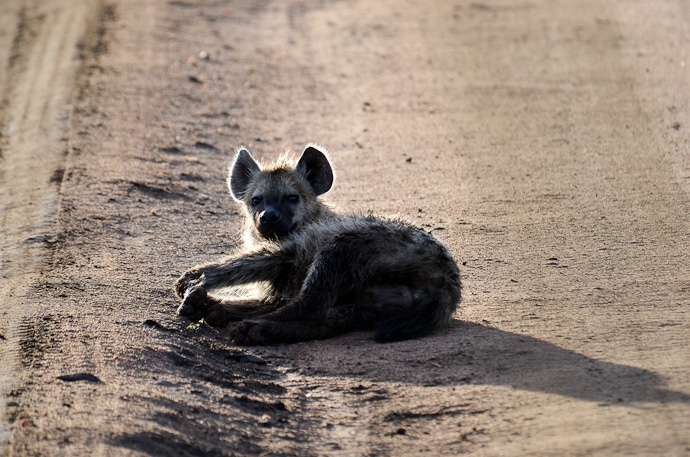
293	198
256	201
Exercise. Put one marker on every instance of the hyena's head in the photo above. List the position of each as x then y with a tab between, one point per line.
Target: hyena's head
281	198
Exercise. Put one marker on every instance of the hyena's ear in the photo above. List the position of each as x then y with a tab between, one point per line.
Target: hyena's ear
242	172
316	168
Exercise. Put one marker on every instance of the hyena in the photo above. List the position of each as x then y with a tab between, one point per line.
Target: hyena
320	273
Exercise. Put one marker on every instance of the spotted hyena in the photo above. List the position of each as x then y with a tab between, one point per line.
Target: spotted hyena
319	273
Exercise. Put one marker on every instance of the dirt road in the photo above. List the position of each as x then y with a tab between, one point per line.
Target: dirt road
39	60
544	142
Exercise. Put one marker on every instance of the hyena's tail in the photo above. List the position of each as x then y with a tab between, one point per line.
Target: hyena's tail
432	308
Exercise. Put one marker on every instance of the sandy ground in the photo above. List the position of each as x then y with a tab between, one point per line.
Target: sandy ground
544	142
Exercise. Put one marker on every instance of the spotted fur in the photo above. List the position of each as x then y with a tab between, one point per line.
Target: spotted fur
319	273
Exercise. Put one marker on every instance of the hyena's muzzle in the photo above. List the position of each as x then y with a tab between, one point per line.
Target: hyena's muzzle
274	217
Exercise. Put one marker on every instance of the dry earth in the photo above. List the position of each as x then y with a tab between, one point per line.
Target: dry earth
545	142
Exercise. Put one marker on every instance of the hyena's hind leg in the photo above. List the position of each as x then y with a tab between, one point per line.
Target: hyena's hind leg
219	312
302	322
258	332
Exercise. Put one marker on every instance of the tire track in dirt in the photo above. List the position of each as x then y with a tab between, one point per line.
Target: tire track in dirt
39	59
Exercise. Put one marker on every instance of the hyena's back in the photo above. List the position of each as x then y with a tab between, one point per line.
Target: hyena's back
378	273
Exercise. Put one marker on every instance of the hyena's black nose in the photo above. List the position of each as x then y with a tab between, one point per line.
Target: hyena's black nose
270	216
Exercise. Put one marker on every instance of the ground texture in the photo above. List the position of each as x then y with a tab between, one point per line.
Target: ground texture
545	142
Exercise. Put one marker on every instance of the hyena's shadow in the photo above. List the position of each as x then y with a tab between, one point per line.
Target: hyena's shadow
469	353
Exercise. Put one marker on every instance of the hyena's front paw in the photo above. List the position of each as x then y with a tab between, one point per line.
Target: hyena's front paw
250	333
194	304
186	281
